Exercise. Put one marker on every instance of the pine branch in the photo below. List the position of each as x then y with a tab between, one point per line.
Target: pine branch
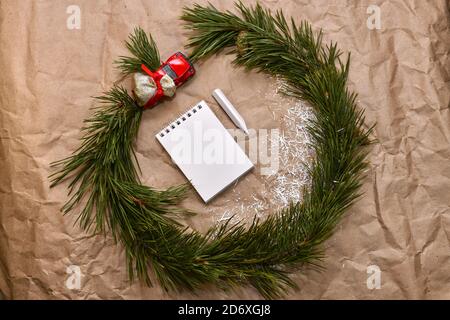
102	171
144	51
218	30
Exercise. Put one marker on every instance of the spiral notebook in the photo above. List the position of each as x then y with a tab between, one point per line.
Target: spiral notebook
204	150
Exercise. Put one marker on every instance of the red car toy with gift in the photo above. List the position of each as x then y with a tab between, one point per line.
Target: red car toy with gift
177	67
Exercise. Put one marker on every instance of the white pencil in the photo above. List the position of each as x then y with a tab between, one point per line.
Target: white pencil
230	110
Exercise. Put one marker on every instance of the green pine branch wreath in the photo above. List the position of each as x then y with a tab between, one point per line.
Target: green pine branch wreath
103	174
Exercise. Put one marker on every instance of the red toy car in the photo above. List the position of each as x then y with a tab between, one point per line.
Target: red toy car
176	67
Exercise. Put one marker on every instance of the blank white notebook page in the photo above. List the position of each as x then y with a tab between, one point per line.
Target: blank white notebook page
204	151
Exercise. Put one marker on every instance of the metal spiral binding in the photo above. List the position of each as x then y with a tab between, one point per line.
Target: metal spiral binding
171	125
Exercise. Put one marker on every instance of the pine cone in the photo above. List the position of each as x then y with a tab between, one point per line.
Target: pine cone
241	42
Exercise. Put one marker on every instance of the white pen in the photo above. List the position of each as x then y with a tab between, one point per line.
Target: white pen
230	110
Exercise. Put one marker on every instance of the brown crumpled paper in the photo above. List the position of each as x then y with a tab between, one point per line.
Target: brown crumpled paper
49	73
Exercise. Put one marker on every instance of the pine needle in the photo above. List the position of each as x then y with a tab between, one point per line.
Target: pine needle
144	51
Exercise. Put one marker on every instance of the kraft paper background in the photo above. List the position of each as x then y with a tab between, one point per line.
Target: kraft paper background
49	73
